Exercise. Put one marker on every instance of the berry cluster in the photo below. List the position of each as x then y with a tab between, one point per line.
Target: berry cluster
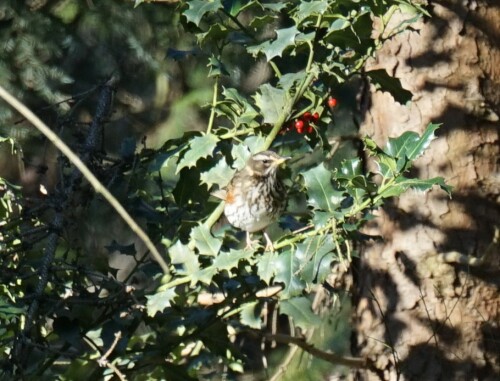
302	125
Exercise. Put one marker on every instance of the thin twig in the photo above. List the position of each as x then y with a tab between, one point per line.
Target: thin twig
104	358
353	362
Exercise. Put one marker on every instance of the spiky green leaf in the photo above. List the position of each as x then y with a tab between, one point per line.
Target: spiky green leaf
266	267
320	191
271	102
300	310
315	254
219	174
286	266
199	147
228	260
204	241
284	38
198	8
250	315
159	301
184	258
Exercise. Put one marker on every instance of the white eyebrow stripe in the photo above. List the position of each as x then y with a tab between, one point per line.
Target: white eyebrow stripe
262	156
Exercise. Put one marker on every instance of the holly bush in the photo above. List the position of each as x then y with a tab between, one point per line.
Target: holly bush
197	318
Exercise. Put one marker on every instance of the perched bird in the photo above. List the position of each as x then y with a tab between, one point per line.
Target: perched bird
255	196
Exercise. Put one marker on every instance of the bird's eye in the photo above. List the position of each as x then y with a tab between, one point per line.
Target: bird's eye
265	161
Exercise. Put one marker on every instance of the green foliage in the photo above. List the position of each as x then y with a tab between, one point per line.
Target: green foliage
168	329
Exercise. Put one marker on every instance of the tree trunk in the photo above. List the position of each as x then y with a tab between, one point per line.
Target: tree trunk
427	302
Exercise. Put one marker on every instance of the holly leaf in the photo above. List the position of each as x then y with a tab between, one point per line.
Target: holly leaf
387	166
410	145
402	184
320	191
315	255
205	276
284	39
350	168
229	260
216	67
182	255
310	8
235	7
266	267
321	219
238	108
199	147
204	241
242	152
159	301
300	310
286	266
198	8
271	102
219	174
289	80
250	315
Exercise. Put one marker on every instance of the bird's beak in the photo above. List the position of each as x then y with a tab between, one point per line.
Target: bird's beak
281	160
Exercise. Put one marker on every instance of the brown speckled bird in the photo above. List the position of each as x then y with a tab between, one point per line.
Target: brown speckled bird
255	197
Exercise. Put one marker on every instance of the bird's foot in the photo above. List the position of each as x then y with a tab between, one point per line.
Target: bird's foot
250	244
269	243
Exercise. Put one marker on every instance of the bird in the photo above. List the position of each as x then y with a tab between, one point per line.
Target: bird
255	197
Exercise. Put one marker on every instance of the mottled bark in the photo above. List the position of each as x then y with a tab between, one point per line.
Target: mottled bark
427	304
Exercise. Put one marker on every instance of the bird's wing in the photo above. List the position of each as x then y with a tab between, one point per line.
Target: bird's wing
221	193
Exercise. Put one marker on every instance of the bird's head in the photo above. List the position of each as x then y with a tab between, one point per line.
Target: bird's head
265	163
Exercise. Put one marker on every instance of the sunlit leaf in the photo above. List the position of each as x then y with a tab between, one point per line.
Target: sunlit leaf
159	301
250	315
410	145
204	241
351	168
284	39
234	7
199	147
339	24
289	80
300	310
219	174
402	184
310	8
387	166
198	8
271	102
204	275
320	191
242	111
286	266
315	253
184	256
229	260
266	267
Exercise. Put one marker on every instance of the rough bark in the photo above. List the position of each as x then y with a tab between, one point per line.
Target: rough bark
427	305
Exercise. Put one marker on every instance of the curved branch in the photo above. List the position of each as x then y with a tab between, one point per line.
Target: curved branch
96	184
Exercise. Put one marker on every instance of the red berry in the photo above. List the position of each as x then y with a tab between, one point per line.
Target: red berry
315	117
299	125
307	116
309	129
332	102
